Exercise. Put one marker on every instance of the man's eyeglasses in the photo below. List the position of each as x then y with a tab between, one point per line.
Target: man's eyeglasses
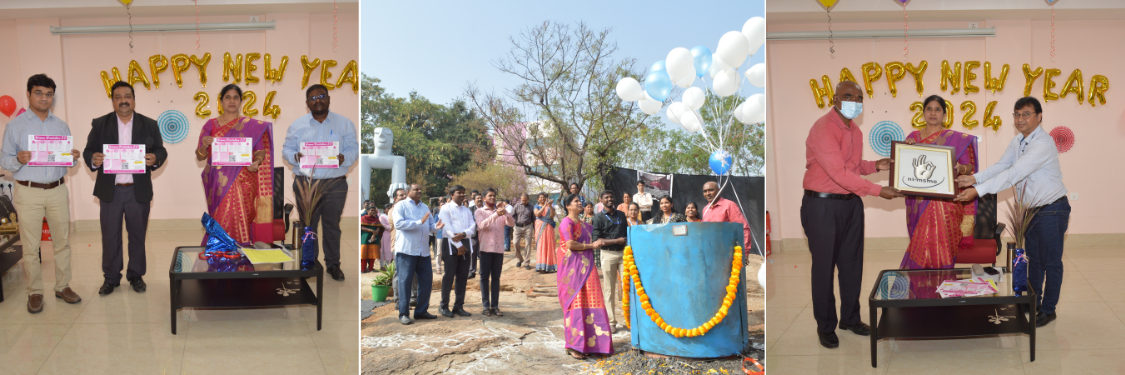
318	97
1018	115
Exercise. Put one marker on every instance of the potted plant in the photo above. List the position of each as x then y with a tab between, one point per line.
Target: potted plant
382	284
1021	211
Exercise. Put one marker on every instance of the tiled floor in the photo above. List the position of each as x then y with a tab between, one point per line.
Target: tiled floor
128	332
1087	338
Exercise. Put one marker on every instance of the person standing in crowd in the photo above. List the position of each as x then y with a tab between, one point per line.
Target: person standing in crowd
40	192
1031	163
233	192
587	218
371	232
473	198
611	228
691	213
724	211
478	202
644	200
522	234
491	218
457	244
579	287
386	250
831	211
435	239
413	224
667	213
545	235
507	232
626	200
633	214
574	189
126	196
321	125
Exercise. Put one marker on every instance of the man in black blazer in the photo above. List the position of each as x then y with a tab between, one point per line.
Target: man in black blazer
127	195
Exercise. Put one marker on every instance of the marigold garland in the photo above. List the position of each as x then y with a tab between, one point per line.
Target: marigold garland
631	273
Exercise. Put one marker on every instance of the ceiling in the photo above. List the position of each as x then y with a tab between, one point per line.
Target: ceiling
162	8
805	11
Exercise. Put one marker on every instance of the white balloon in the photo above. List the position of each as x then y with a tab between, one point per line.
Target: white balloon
739	113
733	48
649	105
751	112
679	63
762	276
760	98
757	75
676	110
726	83
691	121
687	80
694	98
717	65
628	89
755	32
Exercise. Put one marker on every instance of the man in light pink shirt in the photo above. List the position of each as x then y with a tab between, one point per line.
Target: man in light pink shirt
491	219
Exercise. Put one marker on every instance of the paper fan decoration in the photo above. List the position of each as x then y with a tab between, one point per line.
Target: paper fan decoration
173	126
894	285
1064	138
883	134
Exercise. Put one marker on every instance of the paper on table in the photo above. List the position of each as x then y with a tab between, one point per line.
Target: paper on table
257	256
50	150
124	158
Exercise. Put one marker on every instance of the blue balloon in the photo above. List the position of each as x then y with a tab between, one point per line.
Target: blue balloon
701	58
658	66
720	162
658	85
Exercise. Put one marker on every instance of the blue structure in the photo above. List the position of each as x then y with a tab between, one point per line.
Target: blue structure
685	277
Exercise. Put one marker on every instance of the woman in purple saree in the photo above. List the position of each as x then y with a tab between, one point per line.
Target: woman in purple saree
939	228
585	321
239	198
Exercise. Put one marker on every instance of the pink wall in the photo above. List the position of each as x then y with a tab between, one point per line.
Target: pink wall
76	61
1079	45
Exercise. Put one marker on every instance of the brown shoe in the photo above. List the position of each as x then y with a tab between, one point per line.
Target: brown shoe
35	303
68	295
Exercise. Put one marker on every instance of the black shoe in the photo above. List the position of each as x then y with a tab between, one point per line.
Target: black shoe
461	312
445	312
424	315
405	320
107	288
472	274
138	285
859	328
336	273
518	264
829	340
1042	319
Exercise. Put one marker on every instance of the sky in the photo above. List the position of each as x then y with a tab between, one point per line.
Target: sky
438	47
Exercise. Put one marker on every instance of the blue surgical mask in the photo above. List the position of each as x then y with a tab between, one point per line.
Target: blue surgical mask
850	110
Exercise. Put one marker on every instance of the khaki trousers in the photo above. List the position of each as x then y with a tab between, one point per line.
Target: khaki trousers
611	282
527	235
32	205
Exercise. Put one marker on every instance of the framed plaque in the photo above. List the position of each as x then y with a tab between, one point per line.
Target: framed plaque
923	170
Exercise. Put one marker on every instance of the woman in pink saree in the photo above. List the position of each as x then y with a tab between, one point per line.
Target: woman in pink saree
240	198
940	228
585	321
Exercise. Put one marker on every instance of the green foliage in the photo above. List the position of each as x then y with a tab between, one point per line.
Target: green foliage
386	276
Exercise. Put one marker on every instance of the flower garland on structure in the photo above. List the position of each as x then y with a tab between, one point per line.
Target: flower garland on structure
631	274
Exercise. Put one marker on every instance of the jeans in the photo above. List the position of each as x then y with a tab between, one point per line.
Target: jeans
1044	242
490	266
507	238
413	268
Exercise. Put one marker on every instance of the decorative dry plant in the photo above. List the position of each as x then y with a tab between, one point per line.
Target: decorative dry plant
310	196
1021	211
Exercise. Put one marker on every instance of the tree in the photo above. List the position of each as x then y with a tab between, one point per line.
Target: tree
564	123
438	141
508	181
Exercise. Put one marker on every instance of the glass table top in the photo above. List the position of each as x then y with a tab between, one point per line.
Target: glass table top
188	260
923	284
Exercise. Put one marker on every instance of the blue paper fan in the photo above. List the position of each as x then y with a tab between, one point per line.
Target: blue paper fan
899	288
173	126
883	134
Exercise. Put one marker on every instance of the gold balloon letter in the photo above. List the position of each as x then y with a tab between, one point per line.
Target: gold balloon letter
951	77
917	73
180	64
846	75
268	108
817	91
108	82
948	121
917	122
995	84
349	75
250	67
970	76
1074	84
1099	84
248	99
232	67
136	74
157	64
276	74
970	109
325	74
871	73
1049	83
895	71
201	66
991	121
203	100
309	66
1029	77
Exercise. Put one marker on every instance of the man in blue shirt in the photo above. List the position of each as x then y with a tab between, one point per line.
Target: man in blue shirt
414	223
320	125
40	191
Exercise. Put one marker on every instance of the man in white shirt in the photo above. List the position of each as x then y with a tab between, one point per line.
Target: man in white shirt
643	199
413	225
1031	165
456	248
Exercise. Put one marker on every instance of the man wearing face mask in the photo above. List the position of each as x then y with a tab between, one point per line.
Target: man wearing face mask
832	212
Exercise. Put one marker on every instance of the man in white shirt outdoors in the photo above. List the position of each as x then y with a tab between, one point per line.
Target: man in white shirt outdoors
1031	165
644	200
456	246
474	253
413	225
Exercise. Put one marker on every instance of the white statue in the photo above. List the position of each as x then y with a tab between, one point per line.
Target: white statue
383	159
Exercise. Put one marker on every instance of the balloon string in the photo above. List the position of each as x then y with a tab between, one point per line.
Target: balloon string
334	19
905	32
130	28
831	44
196	24
1052	31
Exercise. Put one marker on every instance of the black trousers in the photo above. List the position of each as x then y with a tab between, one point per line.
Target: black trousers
124	207
456	275
490	267
328	215
834	228
475	256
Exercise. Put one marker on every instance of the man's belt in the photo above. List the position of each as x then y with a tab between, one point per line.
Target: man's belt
50	185
817	194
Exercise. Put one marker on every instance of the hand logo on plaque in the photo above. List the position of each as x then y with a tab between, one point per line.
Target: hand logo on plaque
923	170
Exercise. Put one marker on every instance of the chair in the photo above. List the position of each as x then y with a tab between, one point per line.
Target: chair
986	235
281	210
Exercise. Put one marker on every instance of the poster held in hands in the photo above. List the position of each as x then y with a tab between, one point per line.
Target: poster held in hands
121	159
232	151
50	150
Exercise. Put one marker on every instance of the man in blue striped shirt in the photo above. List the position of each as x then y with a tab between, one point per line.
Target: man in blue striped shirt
414	223
320	125
40	191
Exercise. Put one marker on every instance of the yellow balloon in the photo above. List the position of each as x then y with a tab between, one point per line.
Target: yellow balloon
871	73
918	121
917	72
1049	83
951	77
249	67
827	4
109	81
895	71
948	121
308	66
180	63
201	65
349	75
126	2
846	75
1074	84
970	76
819	93
232	66
157	64
248	99
970	109
203	100
136	74
1099	84
272	110
995	84
991	121
325	74
1029	77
